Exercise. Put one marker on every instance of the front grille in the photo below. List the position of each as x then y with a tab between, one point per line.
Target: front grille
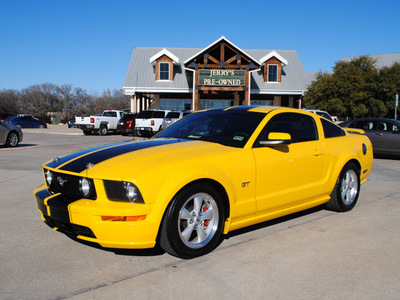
68	186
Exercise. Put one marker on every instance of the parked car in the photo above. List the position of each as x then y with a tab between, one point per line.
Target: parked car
10	135
321	113
103	124
207	174
25	121
149	122
173	116
126	124
383	133
71	122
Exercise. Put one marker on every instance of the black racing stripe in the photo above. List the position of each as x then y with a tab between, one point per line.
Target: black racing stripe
62	160
80	164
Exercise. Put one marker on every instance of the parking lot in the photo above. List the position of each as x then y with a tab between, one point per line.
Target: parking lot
317	254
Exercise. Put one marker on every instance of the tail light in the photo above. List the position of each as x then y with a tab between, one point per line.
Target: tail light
129	124
152	122
91	120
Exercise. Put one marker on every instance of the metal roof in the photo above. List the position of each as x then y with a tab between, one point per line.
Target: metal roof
381	60
141	73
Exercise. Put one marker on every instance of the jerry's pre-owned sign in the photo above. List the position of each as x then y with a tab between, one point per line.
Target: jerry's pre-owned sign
222	77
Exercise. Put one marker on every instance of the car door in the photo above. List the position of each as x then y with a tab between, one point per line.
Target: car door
387	138
288	175
26	122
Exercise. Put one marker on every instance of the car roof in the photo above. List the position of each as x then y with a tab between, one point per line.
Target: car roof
374	119
260	109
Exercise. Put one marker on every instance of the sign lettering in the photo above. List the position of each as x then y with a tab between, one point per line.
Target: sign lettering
222	77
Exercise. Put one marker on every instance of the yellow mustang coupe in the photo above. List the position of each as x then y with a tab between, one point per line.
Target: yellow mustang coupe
210	173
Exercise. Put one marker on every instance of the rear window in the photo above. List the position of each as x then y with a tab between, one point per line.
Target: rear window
331	130
173	115
110	114
148	114
129	117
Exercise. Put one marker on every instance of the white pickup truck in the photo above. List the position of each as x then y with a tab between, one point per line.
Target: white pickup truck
149	122
102	124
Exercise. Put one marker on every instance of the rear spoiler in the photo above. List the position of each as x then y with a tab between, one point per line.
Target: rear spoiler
354	131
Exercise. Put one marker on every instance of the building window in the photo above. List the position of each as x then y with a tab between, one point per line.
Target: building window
206	104
175	104
262	102
272	73
164	71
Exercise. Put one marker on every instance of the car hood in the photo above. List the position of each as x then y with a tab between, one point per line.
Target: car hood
118	161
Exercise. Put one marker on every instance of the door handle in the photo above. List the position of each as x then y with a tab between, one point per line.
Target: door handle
318	152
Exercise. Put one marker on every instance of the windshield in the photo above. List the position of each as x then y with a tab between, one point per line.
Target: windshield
230	128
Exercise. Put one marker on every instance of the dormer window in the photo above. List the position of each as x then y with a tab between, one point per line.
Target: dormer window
272	73
273	66
164	71
164	62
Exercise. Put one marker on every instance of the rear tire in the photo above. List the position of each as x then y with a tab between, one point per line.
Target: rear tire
347	189
193	222
103	130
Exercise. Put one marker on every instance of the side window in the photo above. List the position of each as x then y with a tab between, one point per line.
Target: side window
364	125
383	126
331	130
302	128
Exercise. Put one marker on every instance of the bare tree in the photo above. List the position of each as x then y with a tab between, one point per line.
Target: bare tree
40	99
75	101
9	101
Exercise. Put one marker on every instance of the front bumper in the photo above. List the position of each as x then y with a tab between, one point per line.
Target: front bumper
83	220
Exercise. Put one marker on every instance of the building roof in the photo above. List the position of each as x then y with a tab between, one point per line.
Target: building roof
381	60
141	73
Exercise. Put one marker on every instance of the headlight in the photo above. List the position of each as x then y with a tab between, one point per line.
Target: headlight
49	177
85	187
130	190
122	191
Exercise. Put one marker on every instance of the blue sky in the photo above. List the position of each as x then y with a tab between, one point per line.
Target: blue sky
89	43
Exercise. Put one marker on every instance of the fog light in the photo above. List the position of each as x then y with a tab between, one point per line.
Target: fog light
85	187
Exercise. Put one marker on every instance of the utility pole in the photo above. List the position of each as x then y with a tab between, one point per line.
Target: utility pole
397	104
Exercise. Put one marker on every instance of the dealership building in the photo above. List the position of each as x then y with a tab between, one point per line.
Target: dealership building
219	75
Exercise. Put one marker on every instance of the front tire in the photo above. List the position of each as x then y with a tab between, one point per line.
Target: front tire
193	222
347	189
12	139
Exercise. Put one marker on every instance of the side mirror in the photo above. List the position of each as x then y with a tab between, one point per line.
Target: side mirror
277	138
